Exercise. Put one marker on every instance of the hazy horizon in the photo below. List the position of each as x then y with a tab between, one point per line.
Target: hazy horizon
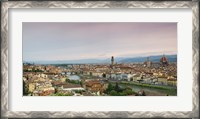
145	56
75	41
155	58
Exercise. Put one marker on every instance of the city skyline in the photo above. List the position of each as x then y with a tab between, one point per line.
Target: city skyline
74	41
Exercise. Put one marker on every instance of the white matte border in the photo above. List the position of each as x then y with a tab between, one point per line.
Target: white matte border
183	17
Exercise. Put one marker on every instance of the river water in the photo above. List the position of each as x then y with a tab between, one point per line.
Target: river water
152	91
73	77
148	91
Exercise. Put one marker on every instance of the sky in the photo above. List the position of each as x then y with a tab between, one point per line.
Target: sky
96	40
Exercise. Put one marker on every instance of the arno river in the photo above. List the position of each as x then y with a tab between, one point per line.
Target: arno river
171	91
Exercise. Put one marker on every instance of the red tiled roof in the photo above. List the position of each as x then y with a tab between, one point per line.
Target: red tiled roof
71	85
163	59
90	83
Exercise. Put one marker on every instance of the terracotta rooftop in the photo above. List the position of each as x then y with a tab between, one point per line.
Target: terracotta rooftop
69	85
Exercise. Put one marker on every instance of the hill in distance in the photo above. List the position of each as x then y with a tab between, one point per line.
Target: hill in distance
171	58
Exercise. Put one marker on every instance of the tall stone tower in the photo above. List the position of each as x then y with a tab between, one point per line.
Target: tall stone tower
148	62
112	60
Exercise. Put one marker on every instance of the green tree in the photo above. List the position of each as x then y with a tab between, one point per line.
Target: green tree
25	88
113	93
104	75
62	94
128	92
117	88
66	80
122	94
110	87
81	83
56	90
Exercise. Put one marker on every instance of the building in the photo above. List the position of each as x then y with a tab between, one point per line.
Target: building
71	87
95	86
147	63
112	60
164	61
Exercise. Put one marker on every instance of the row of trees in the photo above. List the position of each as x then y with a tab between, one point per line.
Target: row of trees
117	91
25	88
62	94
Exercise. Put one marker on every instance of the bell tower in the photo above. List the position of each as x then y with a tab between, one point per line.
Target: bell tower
112	60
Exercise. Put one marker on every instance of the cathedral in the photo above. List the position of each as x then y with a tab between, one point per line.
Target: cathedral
164	61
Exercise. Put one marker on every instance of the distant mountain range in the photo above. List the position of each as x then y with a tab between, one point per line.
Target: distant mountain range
171	58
